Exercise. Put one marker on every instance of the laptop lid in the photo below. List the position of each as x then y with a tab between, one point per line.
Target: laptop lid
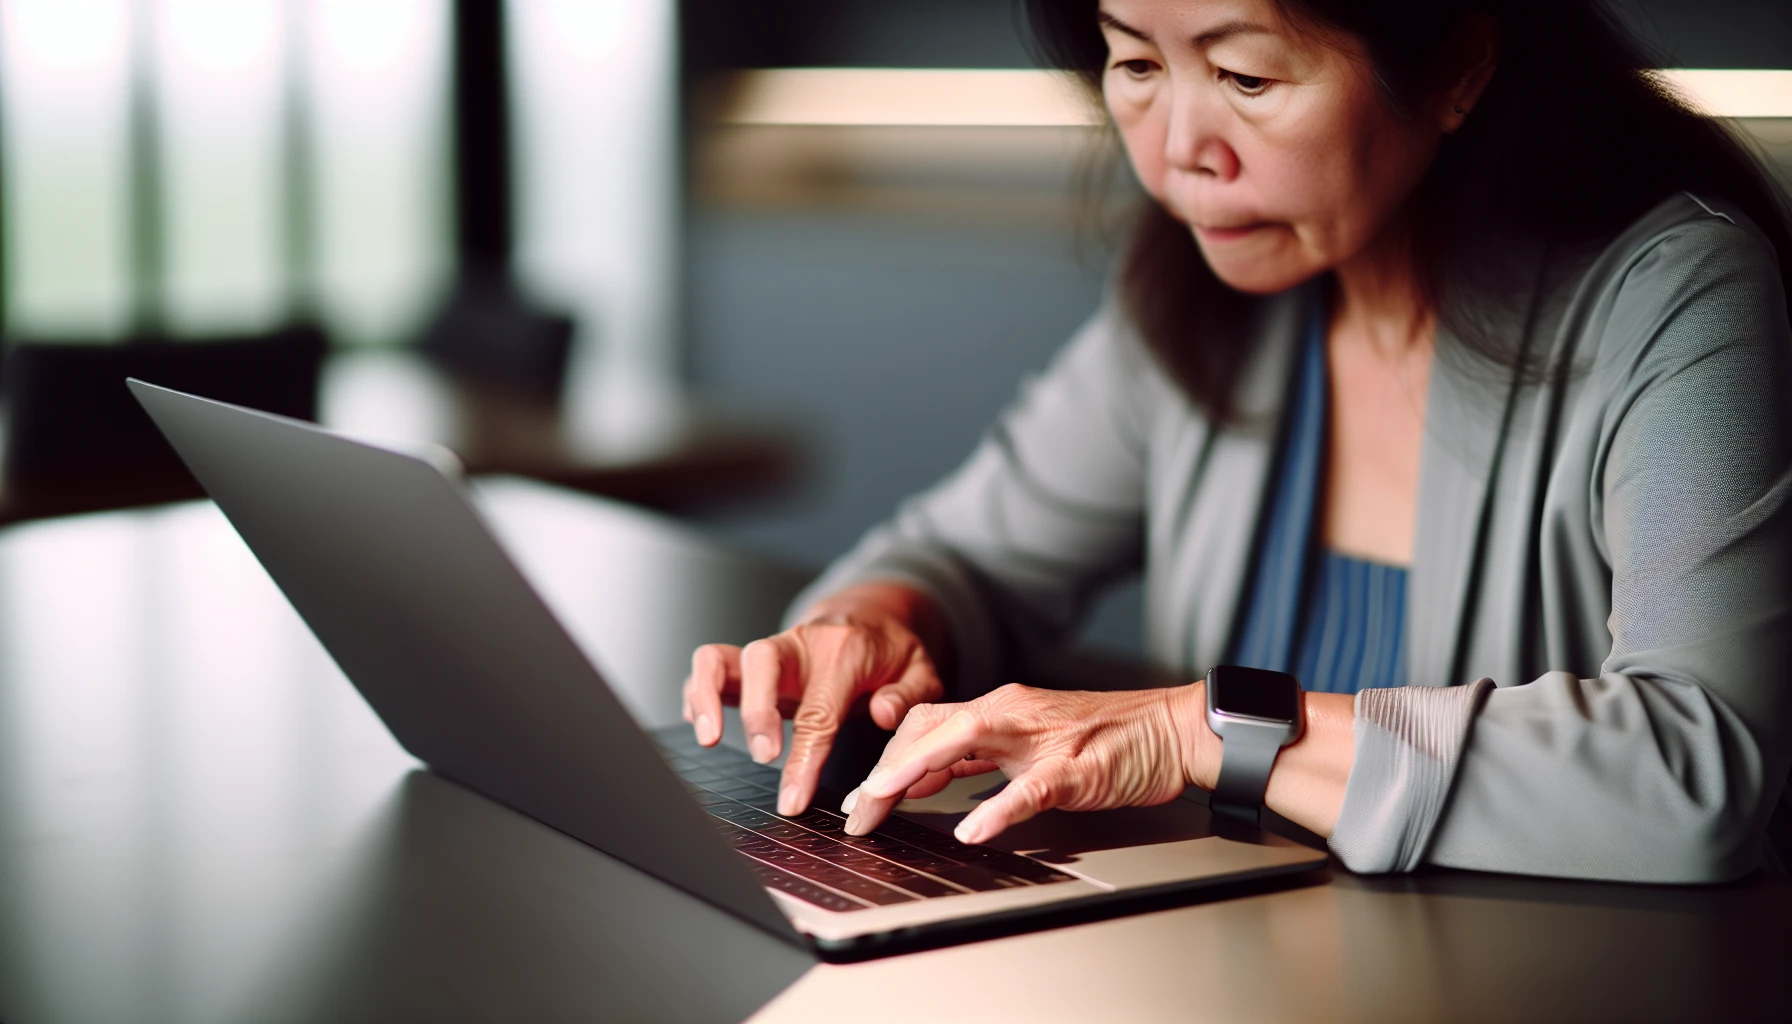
400	579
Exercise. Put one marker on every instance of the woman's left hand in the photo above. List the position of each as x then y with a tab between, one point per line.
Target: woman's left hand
1073	750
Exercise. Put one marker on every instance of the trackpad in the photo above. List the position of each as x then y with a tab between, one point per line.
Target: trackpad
1136	847
1141	867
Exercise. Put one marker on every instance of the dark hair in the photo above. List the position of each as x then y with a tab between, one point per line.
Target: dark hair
1570	83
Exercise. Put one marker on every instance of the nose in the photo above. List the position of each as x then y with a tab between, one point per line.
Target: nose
1195	143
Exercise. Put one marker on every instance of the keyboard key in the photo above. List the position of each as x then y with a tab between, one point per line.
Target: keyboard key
809	841
805	866
736	789
922	886
1035	872
977	879
911	832
1003	862
920	861
821	821
808	892
813	846
766	801
909	856
745	817
762	774
880	844
847	857
702	777
891	874
869	891
715	758
782	831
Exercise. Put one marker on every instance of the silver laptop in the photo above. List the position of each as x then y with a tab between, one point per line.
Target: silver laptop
383	555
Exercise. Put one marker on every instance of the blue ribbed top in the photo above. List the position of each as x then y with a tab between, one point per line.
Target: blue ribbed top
1336	622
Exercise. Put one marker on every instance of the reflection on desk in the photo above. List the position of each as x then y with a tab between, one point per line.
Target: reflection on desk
191	794
201	821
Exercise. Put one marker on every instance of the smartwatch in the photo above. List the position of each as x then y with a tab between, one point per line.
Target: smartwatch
1255	713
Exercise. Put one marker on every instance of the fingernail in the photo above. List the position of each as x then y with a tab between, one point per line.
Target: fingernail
788	804
851	800
889	706
855	825
761	746
968	832
706	729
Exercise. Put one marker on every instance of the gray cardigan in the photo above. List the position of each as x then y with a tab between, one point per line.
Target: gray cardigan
1599	613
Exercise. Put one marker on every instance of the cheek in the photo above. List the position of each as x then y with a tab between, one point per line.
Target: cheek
1143	136
1336	186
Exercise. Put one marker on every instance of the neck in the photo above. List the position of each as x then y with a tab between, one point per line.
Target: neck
1378	300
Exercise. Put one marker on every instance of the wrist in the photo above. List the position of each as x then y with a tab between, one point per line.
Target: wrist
880	604
1200	746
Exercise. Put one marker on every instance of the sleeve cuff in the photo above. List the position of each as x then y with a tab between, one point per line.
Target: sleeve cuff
1409	740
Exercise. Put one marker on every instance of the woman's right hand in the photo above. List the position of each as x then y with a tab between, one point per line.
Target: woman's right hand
872	640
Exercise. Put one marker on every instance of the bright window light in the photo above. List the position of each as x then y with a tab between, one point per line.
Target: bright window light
594	91
1019	98
1727	93
372	77
909	96
219	68
376	75
65	85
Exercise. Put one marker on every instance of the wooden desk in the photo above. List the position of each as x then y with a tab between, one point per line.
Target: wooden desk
201	821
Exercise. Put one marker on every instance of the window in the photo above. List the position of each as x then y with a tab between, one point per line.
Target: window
223	165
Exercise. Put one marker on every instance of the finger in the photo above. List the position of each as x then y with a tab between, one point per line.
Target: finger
933	782
1038	790
715	668
921	720
950	741
762	668
935	751
918	684
815	725
930	784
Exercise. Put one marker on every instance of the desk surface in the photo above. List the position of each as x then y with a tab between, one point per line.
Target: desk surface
200	820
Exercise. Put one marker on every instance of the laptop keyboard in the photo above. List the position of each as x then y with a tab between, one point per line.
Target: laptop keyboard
812	858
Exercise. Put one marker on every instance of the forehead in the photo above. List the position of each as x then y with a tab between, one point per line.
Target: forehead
1193	22
1260	26
1200	25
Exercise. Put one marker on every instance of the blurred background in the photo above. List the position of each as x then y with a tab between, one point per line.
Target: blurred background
768	264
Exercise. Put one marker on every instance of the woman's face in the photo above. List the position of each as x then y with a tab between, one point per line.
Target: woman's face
1272	143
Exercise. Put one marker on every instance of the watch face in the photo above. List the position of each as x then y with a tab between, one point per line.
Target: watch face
1255	692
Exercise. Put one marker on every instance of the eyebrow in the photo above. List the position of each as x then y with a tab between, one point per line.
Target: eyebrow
1227	29
1208	38
1109	21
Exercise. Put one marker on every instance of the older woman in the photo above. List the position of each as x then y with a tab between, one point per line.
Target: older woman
1448	371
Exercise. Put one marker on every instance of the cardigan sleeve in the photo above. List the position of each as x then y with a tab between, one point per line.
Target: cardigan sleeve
1665	765
1048	508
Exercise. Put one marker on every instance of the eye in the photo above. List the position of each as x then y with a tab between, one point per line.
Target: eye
1250	85
1138	67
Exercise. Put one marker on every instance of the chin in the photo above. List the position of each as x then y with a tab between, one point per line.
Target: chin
1254	278
1258	269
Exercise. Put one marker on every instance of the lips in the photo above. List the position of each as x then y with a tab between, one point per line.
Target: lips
1227	234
